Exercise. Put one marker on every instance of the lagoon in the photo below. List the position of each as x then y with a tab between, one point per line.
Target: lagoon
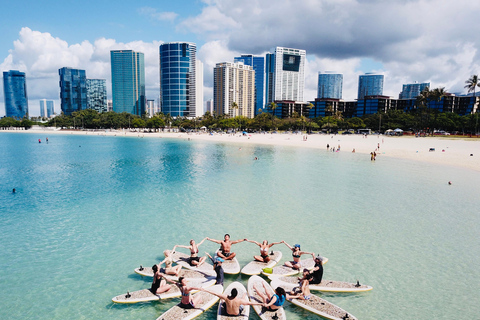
89	209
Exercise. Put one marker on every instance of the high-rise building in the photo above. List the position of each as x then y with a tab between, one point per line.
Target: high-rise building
47	108
97	95
151	108
288	76
370	84
234	84
209	106
109	105
258	64
128	81
412	90
269	77
15	94
181	80
73	90
330	85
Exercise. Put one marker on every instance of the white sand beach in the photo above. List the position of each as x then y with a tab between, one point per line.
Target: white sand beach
460	152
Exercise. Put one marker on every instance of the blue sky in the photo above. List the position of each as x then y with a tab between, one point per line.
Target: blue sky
414	40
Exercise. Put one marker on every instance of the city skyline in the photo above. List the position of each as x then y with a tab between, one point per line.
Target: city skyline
347	38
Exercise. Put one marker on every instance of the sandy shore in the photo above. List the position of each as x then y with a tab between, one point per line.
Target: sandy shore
448	151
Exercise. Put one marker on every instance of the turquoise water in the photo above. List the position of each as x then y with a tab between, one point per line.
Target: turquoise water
89	209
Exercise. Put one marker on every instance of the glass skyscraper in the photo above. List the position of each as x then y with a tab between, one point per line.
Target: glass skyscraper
330	85
181	80
258	64
128	81
73	90
269	76
47	108
97	95
411	91
15	94
370	84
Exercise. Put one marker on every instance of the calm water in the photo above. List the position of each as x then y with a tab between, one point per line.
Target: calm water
89	209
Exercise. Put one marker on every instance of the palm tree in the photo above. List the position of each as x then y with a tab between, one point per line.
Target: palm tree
234	107
472	83
309	107
272	106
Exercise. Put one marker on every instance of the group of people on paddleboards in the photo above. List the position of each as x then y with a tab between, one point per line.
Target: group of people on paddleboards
233	302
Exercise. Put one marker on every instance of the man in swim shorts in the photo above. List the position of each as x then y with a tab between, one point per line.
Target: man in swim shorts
225	247
233	305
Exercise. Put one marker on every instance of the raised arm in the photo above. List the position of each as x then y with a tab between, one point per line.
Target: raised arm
179	246
238	241
198	244
304	252
274	243
221	296
213	240
253	241
289	246
208	254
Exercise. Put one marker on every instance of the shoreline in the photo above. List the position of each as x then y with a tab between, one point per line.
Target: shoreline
448	151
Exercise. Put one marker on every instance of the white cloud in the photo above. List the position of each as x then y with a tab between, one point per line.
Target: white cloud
40	55
160	16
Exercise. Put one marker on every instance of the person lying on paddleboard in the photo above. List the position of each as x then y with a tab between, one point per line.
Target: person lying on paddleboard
194	259
264	248
187	302
169	268
296	254
303	291
217	266
233	304
271	302
159	284
226	246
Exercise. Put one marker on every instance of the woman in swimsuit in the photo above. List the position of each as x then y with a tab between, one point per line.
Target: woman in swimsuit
169	269
271	302
187	302
296	254
264	248
194	259
159	284
303	291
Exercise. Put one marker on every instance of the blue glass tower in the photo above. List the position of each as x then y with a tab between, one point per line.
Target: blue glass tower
73	90
330	85
128	81
370	84
269	78
258	64
411	91
178	79
97	95
15	92
47	108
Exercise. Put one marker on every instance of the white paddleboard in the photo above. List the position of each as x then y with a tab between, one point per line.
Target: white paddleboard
260	310
325	285
287	271
187	274
230	266
256	267
183	260
323	308
146	295
207	301
221	313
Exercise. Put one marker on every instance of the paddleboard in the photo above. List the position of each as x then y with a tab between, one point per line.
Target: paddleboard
323	308
325	285
260	310
221	313
230	266
146	295
182	259
188	274
207	301
256	267
287	271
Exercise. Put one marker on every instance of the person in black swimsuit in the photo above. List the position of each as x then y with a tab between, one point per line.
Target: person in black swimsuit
159	284
217	266
317	272
194	260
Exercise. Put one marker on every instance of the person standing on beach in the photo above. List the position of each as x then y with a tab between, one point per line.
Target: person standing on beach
225	247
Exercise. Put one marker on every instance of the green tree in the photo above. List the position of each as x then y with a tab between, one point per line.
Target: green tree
472	83
272	106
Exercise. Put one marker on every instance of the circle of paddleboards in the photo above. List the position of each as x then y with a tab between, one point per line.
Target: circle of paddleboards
260	310
183	260
230	266
188	274
222	314
206	302
317	305
146	295
256	267
325	285
287	271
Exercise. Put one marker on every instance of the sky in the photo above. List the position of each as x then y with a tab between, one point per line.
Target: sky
432	41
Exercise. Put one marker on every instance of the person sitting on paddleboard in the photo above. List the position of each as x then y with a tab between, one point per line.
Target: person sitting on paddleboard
217	266
303	291
233	304
187	302
225	247
169	269
317	272
159	284
271	302
194	259
264	248
296	254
